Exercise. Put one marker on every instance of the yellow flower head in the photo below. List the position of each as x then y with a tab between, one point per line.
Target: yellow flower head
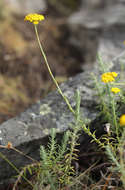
34	18
115	90
114	74
122	120
108	77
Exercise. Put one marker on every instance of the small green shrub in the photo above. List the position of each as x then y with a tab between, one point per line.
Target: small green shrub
56	171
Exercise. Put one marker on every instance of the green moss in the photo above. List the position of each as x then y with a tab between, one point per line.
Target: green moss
45	109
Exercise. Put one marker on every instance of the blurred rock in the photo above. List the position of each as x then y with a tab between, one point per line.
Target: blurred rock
23	7
111	43
64	7
99	14
88	23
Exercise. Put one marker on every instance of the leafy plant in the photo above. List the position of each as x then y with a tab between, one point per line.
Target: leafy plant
56	161
56	168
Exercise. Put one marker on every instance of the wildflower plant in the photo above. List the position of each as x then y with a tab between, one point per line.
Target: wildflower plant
35	19
56	166
111	97
56	161
109	77
115	90
55	169
122	120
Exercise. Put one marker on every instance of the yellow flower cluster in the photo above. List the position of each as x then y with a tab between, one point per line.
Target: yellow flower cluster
34	18
109	77
115	90
122	120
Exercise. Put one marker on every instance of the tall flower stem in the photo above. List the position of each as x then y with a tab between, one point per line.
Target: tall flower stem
114	118
118	84
113	110
50	72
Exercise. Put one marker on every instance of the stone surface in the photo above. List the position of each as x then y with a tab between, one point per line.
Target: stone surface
64	7
86	42
23	7
111	43
99	14
87	26
31	129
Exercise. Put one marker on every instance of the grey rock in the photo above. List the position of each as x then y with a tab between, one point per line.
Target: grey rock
86	42
64	7
111	43
87	26
99	14
24	7
30	129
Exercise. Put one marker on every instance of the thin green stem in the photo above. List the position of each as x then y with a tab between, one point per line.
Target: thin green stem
112	100
105	108
50	72
118	84
114	117
87	131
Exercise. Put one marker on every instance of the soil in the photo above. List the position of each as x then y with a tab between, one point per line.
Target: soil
24	78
